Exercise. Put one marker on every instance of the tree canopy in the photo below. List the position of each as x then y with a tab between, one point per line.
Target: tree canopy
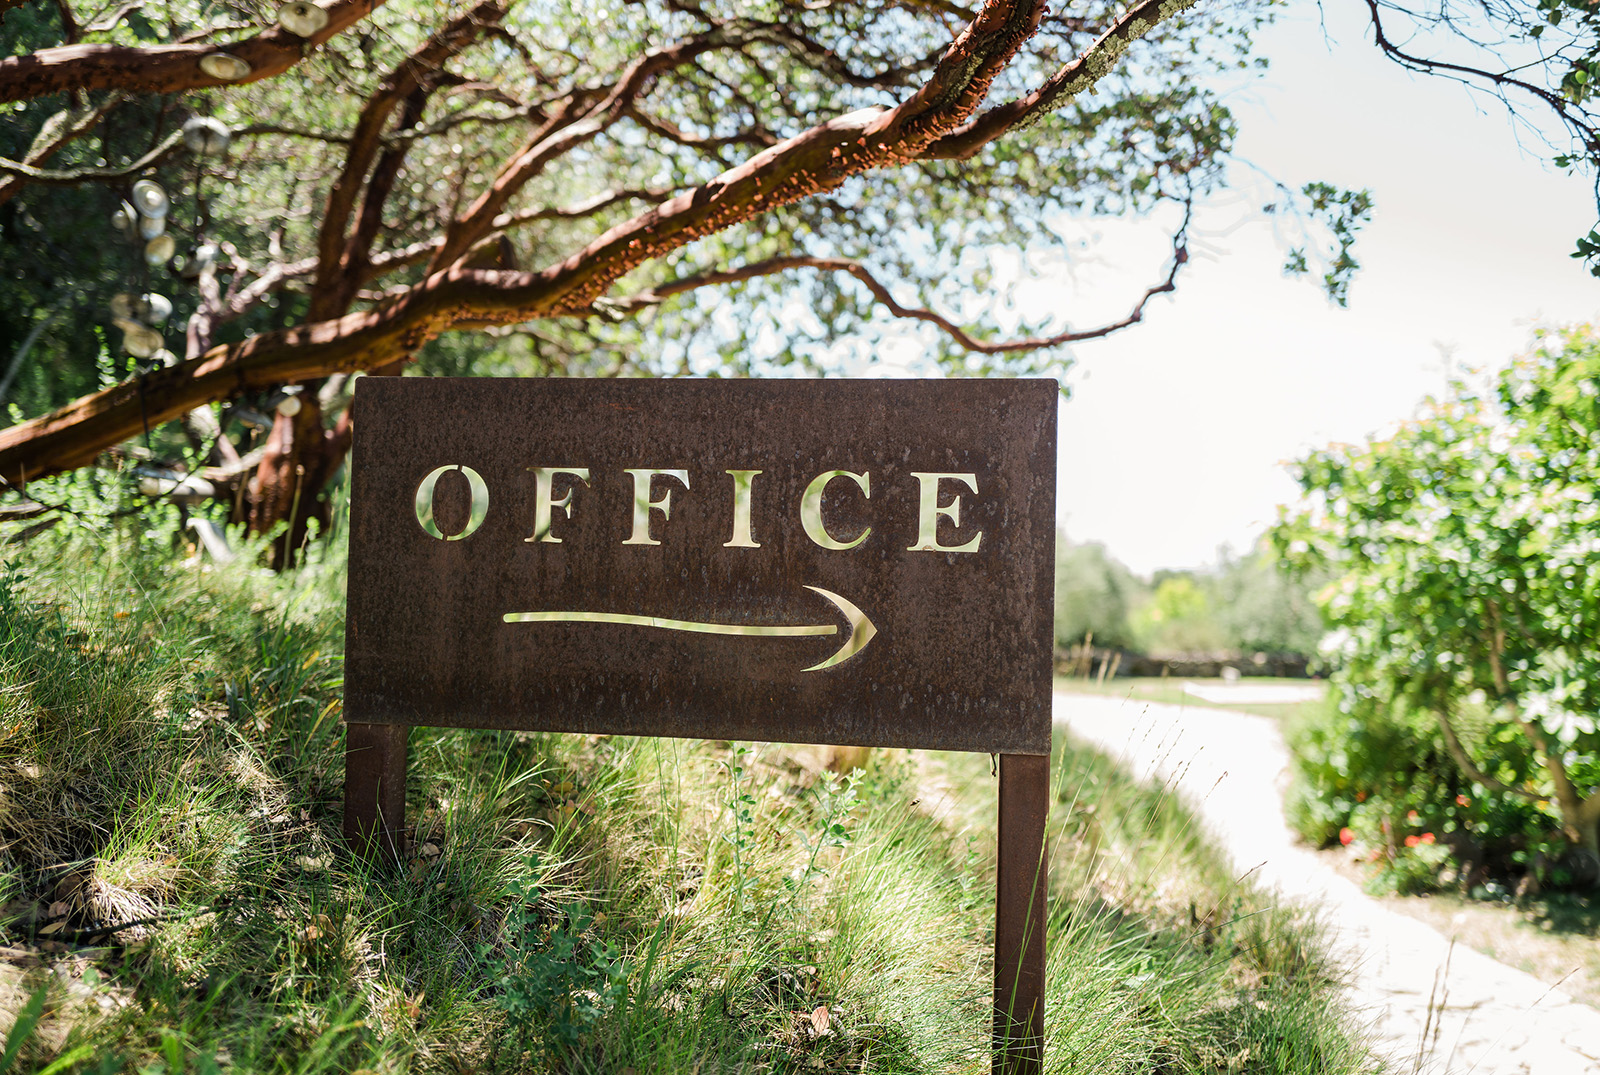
1465	553
611	188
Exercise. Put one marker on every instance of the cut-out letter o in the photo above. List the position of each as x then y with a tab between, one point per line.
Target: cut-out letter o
480	503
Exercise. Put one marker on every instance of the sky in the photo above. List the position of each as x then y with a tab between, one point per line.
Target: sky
1173	442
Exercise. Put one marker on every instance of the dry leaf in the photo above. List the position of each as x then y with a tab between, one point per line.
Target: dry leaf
564	787
320	926
429	850
819	1019
53	927
58	908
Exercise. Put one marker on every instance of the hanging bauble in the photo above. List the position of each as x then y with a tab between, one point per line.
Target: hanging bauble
140	341
302	18
202	261
125	220
289	406
225	66
159	251
154	309
206	136
150	199
151	226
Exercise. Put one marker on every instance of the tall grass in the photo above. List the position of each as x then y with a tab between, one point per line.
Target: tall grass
172	879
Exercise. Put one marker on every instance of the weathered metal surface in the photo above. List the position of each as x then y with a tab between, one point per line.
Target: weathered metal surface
1019	924
960	641
375	788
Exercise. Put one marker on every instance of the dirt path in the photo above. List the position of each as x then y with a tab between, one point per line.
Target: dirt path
1435	1008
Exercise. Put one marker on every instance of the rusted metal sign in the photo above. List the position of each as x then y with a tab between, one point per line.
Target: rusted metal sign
851	562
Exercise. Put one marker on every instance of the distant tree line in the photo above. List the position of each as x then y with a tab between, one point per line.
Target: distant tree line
1244	605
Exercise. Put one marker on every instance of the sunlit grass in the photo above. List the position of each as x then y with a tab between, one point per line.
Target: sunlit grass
172	875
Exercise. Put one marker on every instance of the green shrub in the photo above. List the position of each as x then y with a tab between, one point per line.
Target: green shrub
1380	776
1468	588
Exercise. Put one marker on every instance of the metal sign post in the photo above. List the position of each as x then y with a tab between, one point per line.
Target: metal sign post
848	562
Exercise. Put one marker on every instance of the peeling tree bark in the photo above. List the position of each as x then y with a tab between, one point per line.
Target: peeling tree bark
165	68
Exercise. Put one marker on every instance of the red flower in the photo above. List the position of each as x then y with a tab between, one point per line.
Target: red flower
1427	837
1345	836
1412	816
1462	800
1413	841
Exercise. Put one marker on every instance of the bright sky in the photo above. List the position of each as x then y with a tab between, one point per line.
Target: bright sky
1173	440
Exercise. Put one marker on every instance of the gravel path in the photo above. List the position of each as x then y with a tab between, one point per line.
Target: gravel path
1486	1018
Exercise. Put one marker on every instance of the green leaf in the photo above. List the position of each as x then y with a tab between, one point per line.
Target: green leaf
27	1019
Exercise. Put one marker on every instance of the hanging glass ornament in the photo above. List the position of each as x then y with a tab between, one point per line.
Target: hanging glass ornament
206	136
140	341
150	199
154	309
159	251
151	226
224	65
289	406
125	220
302	18
202	261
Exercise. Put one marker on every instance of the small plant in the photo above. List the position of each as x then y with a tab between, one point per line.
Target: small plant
1412	869
553	978
836	800
741	804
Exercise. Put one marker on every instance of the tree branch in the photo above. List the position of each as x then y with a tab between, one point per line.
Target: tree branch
1070	80
257	129
566	128
165	68
69	22
50	142
242	299
1466	74
1452	743
813	162
381	183
108	22
73	176
755	136
768	267
334	249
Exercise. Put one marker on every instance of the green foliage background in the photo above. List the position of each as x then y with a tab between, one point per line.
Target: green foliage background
1466	555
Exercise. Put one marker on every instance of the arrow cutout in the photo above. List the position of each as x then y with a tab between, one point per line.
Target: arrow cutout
861	628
